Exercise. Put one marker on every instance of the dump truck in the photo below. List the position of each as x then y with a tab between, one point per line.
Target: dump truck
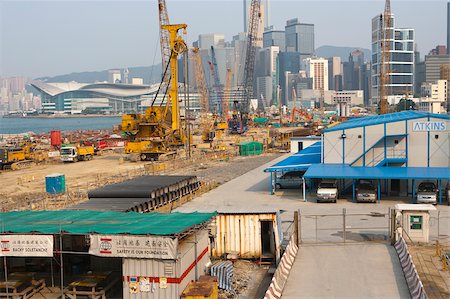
77	153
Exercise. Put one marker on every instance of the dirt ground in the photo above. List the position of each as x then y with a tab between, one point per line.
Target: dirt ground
22	188
430	269
247	276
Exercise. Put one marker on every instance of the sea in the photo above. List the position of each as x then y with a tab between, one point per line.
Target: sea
12	125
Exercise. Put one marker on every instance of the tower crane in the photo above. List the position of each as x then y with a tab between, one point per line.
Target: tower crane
200	81
384	78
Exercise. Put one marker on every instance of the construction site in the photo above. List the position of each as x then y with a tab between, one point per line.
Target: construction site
225	201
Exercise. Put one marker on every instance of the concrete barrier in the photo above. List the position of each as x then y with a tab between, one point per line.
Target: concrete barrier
281	275
415	285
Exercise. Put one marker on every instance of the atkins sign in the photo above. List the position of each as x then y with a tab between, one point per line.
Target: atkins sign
430	126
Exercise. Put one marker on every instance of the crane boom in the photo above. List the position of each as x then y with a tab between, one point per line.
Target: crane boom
227	94
164	36
249	70
200	81
384	79
217	85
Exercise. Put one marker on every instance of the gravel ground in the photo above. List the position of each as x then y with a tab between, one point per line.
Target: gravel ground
224	171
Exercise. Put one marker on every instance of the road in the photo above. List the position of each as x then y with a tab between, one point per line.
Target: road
346	271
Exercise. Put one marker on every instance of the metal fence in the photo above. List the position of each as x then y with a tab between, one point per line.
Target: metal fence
344	227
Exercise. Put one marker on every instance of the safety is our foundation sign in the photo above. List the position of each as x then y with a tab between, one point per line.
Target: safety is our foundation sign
133	246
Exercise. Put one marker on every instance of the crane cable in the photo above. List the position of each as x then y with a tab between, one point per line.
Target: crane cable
161	83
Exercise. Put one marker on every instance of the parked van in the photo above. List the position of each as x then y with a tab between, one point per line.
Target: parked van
427	193
327	191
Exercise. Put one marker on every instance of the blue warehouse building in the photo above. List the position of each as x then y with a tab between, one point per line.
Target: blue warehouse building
397	151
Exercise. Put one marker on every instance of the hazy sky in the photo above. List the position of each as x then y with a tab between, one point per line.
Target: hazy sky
46	38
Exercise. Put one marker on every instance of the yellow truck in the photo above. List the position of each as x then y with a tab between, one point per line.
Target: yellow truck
77	153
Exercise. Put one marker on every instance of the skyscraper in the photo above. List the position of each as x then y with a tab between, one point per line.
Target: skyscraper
272	37
287	63
401	61
300	38
448	28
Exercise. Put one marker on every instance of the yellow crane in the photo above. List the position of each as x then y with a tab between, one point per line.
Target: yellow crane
159	131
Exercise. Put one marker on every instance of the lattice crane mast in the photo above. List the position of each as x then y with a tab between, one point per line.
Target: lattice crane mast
384	78
200	81
164	37
227	94
249	71
217	86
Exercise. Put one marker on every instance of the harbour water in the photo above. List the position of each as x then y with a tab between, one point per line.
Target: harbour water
41	125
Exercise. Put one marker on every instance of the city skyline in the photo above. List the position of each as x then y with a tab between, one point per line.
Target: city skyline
44	40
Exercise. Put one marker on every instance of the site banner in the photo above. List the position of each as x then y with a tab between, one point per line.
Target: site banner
149	247
26	245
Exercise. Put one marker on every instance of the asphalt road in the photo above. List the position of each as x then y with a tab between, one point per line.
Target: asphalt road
346	271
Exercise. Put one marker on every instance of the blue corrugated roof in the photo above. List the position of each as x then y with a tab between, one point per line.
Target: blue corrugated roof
300	161
338	171
385	118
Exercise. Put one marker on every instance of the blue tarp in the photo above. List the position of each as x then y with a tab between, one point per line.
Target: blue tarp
344	171
300	161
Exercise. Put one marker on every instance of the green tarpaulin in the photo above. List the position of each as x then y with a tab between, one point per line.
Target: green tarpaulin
86	222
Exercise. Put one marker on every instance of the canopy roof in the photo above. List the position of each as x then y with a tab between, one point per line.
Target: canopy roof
111	223
300	161
344	171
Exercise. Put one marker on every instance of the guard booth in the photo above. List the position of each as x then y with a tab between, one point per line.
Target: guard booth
414	221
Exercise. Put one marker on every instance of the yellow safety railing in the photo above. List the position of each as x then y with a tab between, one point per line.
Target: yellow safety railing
442	254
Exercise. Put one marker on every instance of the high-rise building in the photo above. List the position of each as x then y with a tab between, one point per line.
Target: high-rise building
206	40
264	90
317	69
115	76
300	38
445	72
448	28
401	61
272	37
433	66
439	50
288	62
334	69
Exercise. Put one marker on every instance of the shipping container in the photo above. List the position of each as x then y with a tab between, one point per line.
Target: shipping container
249	234
168	278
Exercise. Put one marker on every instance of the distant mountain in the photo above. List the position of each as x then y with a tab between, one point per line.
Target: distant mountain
150	74
343	52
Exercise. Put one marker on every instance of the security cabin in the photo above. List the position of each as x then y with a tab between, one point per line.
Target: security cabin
414	221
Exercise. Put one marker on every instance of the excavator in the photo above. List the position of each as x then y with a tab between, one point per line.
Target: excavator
20	156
